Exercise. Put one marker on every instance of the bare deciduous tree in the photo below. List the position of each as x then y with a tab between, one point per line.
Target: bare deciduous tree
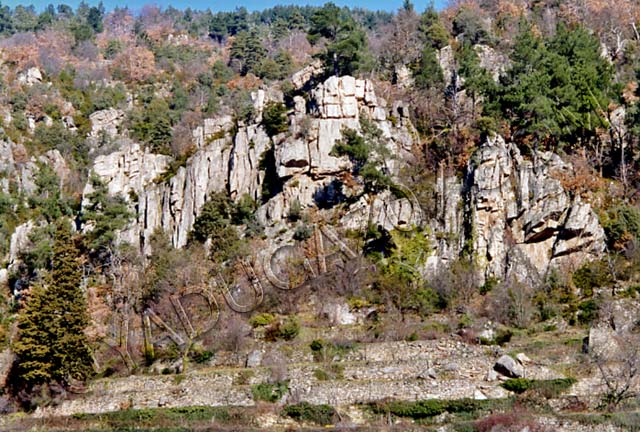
619	365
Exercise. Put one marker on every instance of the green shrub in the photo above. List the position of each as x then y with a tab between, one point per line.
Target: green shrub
125	419
592	276
547	388
318	414
317	345
588	312
489	285
303	232
261	320
433	407
269	392
290	329
553	388
295	211
274	118
517	385
321	375
203	357
503	336
334	371
287	330
621	224
414	410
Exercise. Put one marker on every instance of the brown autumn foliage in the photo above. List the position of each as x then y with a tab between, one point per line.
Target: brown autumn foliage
99	312
136	64
22	56
581	180
247	82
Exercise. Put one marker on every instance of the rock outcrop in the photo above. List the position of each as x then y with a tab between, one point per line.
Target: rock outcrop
17	168
106	121
516	215
30	77
511	212
238	158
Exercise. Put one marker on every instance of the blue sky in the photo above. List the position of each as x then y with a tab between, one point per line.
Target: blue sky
216	5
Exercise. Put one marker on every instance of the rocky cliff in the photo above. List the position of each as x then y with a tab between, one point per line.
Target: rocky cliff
511	212
514	215
237	159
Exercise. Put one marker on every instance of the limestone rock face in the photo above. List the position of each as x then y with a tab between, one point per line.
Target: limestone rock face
128	170
302	77
292	158
403	77
237	158
492	61
614	335
106	121
221	164
17	168
212	128
20	240
511	210
384	211
517	215
447	63
30	77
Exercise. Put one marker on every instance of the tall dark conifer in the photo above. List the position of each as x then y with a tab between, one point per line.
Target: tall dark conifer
52	347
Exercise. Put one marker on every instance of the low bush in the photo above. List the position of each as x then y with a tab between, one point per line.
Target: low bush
592	276
588	312
287	330
269	392
261	320
318	414
303	232
547	388
434	407
517	385
154	416
274	118
203	357
334	371
317	345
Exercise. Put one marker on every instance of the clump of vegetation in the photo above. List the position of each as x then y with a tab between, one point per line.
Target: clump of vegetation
219	222
592	276
274	118
262	320
154	416
434	407
303	232
319	414
367	152
547	388
283	330
269	392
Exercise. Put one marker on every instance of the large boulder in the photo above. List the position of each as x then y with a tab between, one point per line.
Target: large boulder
509	367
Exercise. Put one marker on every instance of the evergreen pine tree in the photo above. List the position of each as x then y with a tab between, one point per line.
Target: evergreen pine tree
52	346
106	214
428	72
432	31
